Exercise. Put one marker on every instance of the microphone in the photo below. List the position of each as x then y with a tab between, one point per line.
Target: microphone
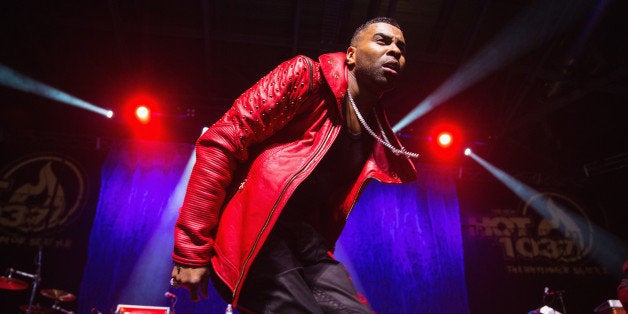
170	295
547	291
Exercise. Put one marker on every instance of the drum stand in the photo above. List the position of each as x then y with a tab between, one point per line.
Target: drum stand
36	278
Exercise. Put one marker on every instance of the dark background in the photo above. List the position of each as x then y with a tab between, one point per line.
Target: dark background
556	106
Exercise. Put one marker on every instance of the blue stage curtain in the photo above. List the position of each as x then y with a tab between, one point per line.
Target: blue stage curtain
131	240
402	243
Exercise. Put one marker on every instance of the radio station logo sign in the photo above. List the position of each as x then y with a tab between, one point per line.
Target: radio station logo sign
40	195
548	239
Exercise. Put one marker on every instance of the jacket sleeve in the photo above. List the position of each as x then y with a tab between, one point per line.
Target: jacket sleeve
254	116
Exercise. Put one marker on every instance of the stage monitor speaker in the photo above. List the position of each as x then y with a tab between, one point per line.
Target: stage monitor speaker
141	309
610	307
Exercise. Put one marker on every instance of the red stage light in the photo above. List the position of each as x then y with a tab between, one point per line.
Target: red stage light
445	139
141	108
142	113
143	116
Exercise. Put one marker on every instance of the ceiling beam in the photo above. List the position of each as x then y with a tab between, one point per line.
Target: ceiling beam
545	110
206	8
296	26
333	14
443	20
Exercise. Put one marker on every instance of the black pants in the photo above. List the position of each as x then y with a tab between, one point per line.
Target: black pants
295	273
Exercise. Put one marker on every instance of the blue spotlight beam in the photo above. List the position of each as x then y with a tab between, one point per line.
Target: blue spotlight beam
609	251
153	259
531	28
15	80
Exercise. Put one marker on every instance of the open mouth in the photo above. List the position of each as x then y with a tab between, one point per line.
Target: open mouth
392	67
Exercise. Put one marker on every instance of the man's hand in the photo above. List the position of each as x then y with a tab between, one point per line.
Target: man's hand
190	278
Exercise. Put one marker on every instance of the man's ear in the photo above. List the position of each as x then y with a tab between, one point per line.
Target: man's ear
350	56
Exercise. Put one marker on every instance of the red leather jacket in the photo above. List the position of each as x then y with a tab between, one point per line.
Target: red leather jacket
250	162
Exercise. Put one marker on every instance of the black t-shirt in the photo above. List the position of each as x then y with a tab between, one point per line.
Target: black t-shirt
295	240
335	173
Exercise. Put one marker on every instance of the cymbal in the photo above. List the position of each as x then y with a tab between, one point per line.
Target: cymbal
36	309
58	295
12	284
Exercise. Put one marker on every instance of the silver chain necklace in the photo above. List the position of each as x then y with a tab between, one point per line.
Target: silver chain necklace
383	140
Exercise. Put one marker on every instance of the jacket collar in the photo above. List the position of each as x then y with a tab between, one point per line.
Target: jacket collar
335	73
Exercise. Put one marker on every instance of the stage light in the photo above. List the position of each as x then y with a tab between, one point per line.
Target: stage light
144	117
444	139
467	151
18	81
142	113
142	108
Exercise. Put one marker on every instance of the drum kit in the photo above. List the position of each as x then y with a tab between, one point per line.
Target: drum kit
9	282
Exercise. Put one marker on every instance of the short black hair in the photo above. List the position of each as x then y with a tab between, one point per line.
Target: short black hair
380	19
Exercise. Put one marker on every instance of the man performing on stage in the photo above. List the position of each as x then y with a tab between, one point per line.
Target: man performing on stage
277	176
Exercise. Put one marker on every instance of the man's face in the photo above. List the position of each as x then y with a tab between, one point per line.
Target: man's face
378	56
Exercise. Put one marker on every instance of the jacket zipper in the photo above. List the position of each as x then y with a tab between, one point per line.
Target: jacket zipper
259	235
355	198
309	63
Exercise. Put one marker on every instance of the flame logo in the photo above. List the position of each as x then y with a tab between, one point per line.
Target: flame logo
41	195
560	221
